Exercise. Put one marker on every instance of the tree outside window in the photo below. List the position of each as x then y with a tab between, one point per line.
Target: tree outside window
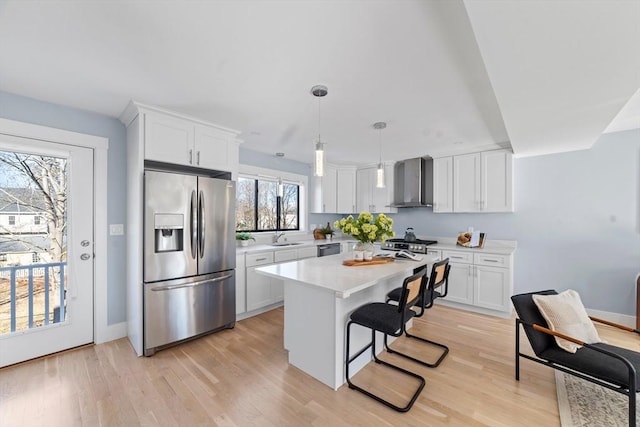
259	208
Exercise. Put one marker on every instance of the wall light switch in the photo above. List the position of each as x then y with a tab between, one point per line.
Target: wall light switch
116	229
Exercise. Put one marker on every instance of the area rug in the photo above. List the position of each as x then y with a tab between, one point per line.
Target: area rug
583	404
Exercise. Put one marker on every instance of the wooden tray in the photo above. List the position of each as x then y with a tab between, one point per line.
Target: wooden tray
354	263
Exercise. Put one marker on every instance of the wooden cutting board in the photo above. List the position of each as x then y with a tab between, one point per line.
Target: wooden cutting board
354	263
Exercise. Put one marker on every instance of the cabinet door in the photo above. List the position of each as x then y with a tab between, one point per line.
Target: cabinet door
211	149
310	252
379	196
258	290
460	283
363	191
241	285
496	182
466	183
443	184
168	140
492	287
346	191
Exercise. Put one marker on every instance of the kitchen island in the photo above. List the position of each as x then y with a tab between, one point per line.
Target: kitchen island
319	295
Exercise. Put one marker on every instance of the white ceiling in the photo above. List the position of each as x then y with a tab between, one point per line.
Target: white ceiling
446	76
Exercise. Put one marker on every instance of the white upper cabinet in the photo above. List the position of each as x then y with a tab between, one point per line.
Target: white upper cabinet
496	181
346	190
443	184
466	183
167	139
179	140
213	149
369	198
477	182
323	191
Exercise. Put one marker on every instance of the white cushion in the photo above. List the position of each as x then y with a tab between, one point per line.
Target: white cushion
565	313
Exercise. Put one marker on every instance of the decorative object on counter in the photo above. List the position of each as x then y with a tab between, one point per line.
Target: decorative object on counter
366	229
244	238
473	239
322	233
374	261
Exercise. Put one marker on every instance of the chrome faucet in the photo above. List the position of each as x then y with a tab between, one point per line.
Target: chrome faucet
277	236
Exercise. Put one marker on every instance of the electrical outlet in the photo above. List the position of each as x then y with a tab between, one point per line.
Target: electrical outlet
116	229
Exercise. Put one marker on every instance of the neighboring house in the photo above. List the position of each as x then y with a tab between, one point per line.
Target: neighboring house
23	227
22	211
24	249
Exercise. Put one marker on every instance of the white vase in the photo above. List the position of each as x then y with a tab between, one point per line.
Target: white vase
244	243
368	251
358	252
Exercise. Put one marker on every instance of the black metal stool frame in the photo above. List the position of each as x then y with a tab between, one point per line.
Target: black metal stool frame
405	314
430	291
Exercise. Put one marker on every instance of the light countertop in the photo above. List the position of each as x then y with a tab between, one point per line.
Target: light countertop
502	247
328	273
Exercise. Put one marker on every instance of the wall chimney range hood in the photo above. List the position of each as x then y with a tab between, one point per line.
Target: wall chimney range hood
413	183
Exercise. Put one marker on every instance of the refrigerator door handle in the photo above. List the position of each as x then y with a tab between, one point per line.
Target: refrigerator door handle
193	220
201	220
190	285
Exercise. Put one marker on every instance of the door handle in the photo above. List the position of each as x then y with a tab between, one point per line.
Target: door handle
201	221
198	157
190	285
190	157
194	224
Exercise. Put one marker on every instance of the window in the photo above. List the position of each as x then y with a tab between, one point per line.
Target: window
35	257
260	208
36	220
12	220
3	257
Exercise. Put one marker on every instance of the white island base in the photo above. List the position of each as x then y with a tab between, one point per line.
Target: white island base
319	295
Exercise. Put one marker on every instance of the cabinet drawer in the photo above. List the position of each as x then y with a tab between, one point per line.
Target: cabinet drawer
259	259
492	260
287	255
459	257
436	252
310	252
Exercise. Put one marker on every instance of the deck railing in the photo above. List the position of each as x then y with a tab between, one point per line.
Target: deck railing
48	272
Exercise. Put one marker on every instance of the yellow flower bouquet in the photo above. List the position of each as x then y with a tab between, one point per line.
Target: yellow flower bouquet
365	228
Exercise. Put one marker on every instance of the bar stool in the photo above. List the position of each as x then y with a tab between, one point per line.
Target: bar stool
437	288
390	320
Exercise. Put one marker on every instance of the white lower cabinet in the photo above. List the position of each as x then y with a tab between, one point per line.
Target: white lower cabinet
481	280
241	294
261	291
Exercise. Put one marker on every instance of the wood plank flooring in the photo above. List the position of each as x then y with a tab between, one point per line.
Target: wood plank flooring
241	377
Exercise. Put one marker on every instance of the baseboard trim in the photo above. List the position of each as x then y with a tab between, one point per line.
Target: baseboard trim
111	332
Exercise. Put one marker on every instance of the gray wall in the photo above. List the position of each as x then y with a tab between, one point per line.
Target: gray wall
29	110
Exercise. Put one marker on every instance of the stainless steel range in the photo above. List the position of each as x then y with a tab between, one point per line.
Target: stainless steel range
418	246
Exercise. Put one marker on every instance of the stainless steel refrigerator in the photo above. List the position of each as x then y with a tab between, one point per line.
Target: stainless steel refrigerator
189	257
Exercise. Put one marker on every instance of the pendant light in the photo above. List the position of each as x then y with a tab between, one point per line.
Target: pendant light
380	172
319	91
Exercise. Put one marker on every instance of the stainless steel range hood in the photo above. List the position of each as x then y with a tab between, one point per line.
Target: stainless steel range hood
413	183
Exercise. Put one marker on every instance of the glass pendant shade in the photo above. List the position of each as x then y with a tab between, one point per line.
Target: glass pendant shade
380	176
319	161
280	188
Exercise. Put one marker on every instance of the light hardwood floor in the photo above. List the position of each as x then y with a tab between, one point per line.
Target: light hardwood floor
241	377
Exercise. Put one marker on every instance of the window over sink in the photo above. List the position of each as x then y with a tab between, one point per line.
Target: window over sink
269	200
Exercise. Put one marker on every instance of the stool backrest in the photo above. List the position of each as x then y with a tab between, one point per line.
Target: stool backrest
439	274
413	288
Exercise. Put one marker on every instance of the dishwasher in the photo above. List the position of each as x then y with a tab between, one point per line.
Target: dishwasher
328	249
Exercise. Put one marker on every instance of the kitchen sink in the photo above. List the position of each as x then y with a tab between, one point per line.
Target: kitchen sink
287	244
